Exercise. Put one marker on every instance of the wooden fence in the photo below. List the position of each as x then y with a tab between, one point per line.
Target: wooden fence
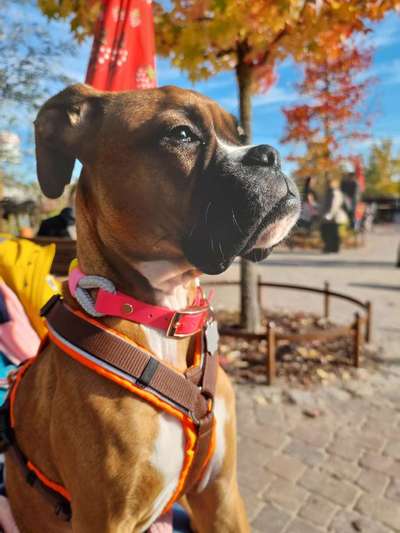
359	329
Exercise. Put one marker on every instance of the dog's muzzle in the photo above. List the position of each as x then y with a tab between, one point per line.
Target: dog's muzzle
246	205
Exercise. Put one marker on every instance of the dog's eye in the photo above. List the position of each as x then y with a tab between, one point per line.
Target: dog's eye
183	134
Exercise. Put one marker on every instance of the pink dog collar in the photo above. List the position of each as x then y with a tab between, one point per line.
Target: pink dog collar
174	323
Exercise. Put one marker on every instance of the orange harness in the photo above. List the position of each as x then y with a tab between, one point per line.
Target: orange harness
59	494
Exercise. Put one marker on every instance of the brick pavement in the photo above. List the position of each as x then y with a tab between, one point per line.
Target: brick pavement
340	471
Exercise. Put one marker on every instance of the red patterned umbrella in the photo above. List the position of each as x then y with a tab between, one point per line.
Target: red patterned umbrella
123	52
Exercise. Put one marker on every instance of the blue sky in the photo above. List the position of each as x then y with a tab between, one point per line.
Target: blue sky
268	123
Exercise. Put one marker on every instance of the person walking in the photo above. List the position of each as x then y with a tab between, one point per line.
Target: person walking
350	187
333	217
309	207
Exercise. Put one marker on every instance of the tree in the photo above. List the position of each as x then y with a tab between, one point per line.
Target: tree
30	57
330	115
204	37
382	172
9	154
28	53
81	14
10	148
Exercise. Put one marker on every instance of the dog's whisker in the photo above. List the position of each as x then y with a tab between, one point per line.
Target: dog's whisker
236	222
192	229
212	245
222	252
206	213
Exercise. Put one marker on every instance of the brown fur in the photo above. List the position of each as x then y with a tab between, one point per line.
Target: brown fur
132	206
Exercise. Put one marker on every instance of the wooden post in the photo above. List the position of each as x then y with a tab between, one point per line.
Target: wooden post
326	300
368	326
259	289
358	339
271	351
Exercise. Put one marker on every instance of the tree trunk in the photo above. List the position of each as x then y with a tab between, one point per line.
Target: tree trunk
326	124
250	318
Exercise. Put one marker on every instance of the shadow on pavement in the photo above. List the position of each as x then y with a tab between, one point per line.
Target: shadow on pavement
376	286
321	263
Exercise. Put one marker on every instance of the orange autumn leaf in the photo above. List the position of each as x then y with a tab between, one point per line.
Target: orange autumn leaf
334	86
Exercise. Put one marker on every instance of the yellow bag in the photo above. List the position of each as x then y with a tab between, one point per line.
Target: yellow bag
25	268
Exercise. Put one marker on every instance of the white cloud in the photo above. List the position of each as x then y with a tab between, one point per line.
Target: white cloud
386	33
363	146
276	95
168	74
388	72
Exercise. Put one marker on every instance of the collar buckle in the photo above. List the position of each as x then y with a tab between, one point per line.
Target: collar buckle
175	321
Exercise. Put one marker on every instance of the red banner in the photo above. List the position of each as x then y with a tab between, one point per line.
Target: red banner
123	52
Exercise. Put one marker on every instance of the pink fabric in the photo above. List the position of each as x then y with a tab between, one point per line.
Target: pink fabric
18	340
73	279
7	521
124	306
163	524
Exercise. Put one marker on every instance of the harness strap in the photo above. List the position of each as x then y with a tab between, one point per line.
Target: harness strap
191	393
204	448
103	345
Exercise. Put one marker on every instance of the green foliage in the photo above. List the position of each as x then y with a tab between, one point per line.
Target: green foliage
81	14
382	172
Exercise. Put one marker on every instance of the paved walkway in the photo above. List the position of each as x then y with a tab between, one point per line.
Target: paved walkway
340	470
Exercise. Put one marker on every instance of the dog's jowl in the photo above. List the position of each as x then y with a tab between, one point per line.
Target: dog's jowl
125	410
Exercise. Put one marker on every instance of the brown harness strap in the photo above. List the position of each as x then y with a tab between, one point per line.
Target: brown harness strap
204	437
192	392
133	361
206	424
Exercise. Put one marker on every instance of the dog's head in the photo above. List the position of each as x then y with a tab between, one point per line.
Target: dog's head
165	175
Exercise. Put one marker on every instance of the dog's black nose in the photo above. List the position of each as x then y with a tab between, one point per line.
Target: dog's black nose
262	155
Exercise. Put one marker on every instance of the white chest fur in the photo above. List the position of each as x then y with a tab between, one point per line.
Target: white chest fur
163	347
168	451
168	454
167	458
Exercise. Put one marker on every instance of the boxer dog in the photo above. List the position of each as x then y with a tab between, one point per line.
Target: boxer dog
167	192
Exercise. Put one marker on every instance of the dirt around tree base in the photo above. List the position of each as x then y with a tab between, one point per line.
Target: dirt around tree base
307	364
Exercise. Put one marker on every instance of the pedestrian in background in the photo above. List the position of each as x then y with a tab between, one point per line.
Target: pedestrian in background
334	217
309	207
350	187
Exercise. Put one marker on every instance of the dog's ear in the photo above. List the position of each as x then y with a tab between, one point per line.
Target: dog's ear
61	127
